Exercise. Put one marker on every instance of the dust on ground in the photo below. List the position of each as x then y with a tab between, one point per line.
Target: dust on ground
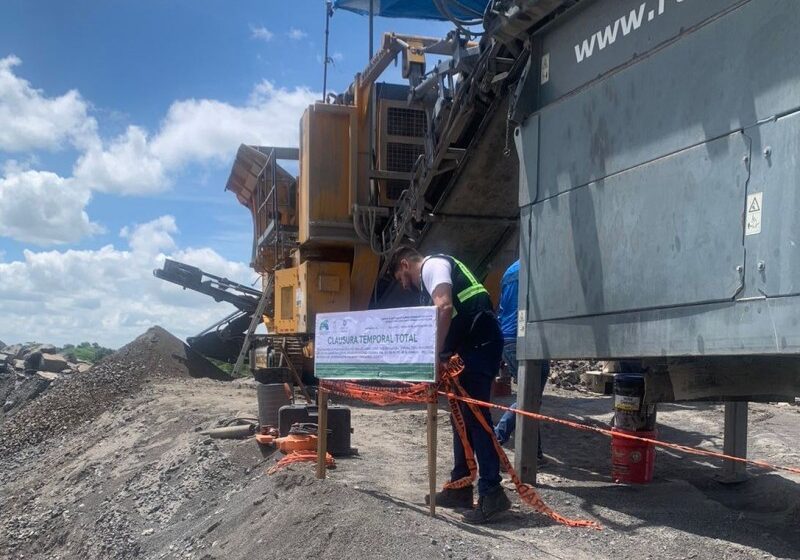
133	477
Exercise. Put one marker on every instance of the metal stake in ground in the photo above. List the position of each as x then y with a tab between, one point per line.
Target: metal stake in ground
432	408
322	431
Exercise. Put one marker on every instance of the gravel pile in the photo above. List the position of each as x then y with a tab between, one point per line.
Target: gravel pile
77	399
566	374
293	515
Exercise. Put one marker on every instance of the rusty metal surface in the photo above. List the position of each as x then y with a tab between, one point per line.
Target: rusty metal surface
249	164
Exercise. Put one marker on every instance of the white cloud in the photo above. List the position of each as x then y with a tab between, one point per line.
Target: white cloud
152	236
109	295
296	34
198	130
42	208
261	33
194	131
30	120
125	166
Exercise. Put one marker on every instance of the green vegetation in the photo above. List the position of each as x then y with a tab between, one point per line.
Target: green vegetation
85	351
228	368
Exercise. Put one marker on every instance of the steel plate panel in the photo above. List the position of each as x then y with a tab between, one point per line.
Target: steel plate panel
773	255
597	37
730	74
663	234
755	327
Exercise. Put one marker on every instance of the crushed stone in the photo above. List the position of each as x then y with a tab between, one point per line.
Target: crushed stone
156	354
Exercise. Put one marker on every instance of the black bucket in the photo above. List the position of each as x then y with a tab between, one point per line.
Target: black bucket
273	375
271	397
630	412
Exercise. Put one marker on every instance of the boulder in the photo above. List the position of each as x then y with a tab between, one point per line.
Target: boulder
598	382
53	362
19	364
33	361
611	366
15	350
83	367
48	375
2	344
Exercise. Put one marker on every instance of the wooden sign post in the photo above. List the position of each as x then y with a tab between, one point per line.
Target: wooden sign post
383	345
432	409
322	431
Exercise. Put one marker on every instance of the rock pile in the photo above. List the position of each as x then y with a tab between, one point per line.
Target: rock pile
42	359
566	374
27	370
74	399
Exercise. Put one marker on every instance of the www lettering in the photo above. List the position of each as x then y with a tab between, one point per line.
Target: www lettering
620	27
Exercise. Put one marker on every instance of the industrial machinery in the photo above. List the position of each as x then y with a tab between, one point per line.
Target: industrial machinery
638	156
323	236
223	339
658	181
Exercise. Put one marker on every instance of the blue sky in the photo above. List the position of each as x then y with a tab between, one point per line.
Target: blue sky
118	125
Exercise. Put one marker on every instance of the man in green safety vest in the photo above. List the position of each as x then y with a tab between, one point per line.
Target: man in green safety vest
466	326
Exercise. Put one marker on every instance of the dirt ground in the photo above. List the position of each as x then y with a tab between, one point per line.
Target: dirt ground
140	481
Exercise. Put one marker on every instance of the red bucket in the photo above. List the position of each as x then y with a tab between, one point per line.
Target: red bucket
632	461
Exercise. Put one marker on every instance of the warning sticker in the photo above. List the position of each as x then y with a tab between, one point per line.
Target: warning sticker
522	318
545	68
752	220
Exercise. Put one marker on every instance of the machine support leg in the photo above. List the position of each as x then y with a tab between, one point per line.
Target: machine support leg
735	442
529	388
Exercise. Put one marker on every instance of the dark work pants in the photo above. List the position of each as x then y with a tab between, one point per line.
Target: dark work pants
482	356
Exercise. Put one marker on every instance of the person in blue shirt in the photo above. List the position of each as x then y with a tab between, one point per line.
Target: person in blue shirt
507	315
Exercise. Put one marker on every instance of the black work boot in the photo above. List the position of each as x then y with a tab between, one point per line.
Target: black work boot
453	498
489	506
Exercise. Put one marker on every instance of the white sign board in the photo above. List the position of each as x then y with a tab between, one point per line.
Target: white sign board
389	344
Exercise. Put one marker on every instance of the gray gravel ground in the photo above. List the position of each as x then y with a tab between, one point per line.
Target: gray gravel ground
135	478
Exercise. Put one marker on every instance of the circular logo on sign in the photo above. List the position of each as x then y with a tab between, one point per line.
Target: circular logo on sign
636	456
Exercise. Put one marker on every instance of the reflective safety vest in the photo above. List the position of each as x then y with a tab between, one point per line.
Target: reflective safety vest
469	295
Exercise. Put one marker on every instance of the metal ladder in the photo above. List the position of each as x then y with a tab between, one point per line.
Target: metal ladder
257	315
284	355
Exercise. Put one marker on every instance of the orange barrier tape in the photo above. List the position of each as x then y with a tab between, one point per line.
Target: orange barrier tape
450	388
608	432
526	492
301	457
380	396
416	393
449	378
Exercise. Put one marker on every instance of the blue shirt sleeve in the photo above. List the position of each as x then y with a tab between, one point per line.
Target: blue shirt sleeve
509	297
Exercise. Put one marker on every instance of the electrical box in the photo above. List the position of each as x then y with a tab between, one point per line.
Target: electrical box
302	292
324	288
286	296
